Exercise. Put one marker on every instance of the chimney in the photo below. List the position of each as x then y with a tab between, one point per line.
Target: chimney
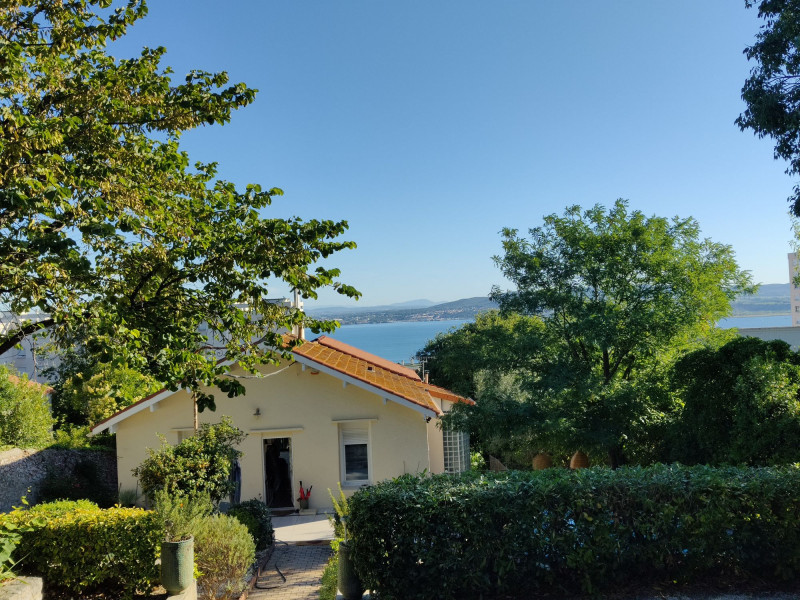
426	378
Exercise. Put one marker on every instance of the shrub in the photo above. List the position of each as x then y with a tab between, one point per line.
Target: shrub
329	584
256	516
558	530
224	551
78	546
180	516
83	483
25	419
201	463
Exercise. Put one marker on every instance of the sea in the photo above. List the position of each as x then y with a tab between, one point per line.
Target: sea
400	341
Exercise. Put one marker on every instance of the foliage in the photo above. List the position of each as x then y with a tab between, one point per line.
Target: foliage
76	437
771	93
98	390
10	537
256	516
618	295
741	404
80	547
341	512
199	464
84	482
329	583
180	516
25	420
224	551
128	497
496	342
558	531
108	228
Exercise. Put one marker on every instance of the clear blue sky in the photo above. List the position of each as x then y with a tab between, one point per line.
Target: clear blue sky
431	125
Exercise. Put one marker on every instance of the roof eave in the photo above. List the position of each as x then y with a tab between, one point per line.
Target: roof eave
304	360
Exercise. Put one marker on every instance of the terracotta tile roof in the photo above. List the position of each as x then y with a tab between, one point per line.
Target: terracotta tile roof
379	372
443	394
366	356
44	388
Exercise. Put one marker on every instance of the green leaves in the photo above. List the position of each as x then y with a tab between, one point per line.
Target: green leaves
106	225
558	532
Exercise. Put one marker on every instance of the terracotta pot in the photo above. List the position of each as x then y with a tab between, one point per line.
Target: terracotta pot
542	461
579	460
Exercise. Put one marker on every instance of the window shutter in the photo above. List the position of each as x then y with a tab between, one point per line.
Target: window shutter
355	435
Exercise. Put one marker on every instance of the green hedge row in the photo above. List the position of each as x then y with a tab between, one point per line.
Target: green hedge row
78	546
588	530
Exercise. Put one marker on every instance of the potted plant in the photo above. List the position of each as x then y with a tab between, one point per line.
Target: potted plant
347	579
179	515
305	494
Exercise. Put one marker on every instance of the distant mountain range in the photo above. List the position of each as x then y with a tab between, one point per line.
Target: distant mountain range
413	310
771	299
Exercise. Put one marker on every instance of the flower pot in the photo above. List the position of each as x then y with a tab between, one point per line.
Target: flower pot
177	565
542	461
579	460
303	502
349	584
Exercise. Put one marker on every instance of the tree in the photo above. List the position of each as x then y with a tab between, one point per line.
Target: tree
741	404
99	390
772	93
617	292
25	420
108	229
494	342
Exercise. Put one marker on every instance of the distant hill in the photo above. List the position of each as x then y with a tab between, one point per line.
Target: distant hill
465	308
771	299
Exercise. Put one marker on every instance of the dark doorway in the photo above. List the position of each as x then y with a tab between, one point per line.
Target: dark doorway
278	472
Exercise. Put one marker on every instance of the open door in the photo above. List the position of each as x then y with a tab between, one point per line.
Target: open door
278	472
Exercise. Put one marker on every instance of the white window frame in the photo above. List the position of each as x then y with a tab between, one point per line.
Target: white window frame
366	428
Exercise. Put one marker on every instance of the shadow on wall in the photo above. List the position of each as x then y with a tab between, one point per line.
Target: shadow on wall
73	474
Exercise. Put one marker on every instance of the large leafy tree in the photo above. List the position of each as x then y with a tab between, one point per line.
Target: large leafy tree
772	92
107	227
619	295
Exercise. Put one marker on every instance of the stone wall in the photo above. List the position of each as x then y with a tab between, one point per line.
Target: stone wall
21	470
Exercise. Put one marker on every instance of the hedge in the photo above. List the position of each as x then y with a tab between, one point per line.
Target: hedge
78	546
567	531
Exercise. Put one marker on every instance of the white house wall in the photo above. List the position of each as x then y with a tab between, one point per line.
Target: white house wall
303	406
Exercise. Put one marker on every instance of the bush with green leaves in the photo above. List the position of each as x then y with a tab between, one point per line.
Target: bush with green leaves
741	404
80	547
180	516
25	419
199	464
224	551
256	516
561	531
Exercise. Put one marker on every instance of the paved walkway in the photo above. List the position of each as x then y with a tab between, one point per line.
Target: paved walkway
301	565
294	569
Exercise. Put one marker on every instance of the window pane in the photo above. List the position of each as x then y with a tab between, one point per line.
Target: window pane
356	467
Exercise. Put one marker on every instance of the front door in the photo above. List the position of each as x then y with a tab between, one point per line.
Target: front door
278	472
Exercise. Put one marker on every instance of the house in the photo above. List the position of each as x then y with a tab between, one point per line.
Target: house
334	414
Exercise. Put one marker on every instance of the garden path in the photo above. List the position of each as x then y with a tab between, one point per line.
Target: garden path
301	565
